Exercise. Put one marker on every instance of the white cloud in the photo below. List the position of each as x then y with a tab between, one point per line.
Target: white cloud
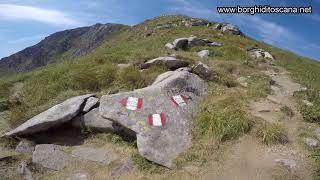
52	17
270	32
193	8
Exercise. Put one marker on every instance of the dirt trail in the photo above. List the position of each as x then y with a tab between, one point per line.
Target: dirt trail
250	159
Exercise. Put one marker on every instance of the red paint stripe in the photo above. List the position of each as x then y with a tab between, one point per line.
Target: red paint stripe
185	98
124	102
163	119
174	102
150	121
139	103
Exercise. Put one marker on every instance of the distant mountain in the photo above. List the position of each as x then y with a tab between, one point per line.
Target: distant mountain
71	43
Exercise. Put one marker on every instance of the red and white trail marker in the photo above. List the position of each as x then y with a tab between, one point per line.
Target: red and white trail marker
180	100
132	103
157	120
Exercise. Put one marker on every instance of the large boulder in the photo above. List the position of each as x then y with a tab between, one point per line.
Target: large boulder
185	43
160	115
54	116
228	28
93	121
260	53
50	156
170	62
180	43
231	29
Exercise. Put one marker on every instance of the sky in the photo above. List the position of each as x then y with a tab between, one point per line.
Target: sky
26	22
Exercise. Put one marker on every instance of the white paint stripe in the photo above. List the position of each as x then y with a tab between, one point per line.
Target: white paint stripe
156	120
179	100
132	103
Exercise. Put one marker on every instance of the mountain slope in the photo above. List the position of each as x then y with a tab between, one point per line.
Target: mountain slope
71	43
224	132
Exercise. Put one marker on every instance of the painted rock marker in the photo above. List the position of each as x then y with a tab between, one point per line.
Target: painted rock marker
180	100
159	138
158	120
132	103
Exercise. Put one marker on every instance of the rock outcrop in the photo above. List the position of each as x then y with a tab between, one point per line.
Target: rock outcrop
160	115
170	62
54	116
260	53
228	28
185	43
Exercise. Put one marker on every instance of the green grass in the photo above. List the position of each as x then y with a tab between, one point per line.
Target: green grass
259	86
274	133
224	119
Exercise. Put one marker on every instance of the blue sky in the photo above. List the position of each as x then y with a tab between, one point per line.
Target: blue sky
26	22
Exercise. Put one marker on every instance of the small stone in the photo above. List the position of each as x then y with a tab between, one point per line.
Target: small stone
289	163
123	168
95	154
50	156
24	171
169	45
123	66
25	147
311	142
204	54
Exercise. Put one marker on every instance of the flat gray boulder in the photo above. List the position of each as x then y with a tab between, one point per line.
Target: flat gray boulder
170	62
93	121
102	155
160	115
185	43
54	116
50	156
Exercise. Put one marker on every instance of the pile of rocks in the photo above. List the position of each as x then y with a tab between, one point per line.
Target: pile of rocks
186	43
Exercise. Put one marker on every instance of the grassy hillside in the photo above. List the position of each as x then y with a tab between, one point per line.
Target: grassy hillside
222	116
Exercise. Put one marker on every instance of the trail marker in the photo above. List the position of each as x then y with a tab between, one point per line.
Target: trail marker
132	103
180	100
157	120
